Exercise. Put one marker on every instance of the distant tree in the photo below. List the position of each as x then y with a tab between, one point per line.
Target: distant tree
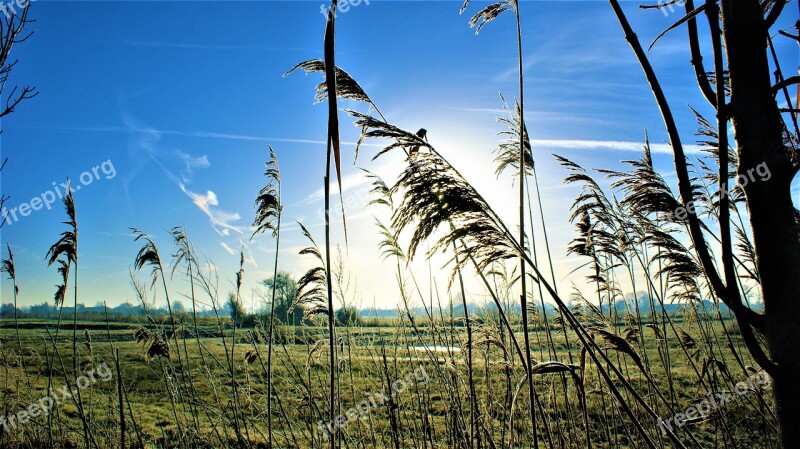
177	306
285	287
235	309
7	311
42	310
348	316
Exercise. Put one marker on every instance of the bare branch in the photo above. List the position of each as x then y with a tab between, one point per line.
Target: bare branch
697	59
12	31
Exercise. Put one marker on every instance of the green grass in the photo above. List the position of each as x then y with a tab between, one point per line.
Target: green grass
207	409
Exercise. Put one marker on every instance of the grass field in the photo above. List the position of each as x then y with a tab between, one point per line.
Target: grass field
215	396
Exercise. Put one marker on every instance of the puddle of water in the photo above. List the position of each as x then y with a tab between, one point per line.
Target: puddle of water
436	348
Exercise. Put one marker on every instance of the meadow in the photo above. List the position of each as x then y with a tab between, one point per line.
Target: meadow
218	398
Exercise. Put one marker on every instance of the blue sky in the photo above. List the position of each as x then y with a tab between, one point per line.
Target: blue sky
182	98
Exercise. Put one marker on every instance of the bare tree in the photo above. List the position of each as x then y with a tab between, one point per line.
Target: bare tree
743	92
12	31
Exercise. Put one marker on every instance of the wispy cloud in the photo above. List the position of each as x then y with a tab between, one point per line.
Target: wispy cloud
349	182
248	255
614	145
539	116
248	252
227	248
222	222
191	163
143	139
573	58
138	127
188	46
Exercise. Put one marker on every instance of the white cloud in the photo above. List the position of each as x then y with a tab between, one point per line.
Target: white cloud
349	182
248	253
144	137
227	248
133	125
615	145
221	221
191	163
